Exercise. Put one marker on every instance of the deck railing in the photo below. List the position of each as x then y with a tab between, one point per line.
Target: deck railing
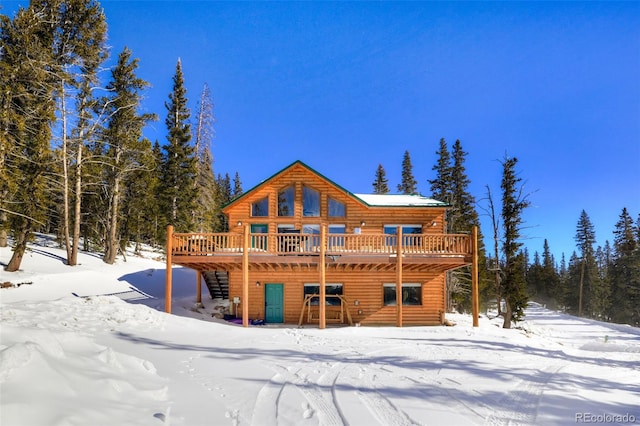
208	244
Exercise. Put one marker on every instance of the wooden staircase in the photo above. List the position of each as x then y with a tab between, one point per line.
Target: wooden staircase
217	283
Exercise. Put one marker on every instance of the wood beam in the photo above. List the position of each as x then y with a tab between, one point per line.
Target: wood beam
245	278
168	271
399	277
475	304
323	276
198	286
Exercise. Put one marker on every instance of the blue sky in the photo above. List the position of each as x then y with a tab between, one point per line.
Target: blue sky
345	86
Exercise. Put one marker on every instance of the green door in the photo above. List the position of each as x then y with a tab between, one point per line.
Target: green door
273	302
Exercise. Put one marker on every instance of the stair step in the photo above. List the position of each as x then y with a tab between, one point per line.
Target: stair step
217	283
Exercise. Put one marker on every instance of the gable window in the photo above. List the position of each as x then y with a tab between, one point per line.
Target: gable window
310	202
260	208
411	294
336	208
285	202
329	289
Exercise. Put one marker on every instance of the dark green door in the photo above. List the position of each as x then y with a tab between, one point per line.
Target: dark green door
273	302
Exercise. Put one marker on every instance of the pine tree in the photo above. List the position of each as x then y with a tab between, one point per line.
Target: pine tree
26	114
625	271
124	144
380	184
514	202
237	186
223	196
441	186
177	190
585	239
409	184
550	285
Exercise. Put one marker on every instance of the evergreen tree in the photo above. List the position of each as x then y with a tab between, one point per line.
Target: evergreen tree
625	272
178	193
514	202
585	239
380	184
409	184
237	186
441	186
124	145
223	197
27	111
550	284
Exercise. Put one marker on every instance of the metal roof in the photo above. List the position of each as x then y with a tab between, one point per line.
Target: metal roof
399	200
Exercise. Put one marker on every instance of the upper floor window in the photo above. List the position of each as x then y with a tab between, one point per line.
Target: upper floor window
260	207
310	202
285	201
336	208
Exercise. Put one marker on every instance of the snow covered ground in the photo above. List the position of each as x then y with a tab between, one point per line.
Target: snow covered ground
100	360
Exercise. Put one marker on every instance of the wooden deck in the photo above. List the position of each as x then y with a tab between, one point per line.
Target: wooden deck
202	251
315	255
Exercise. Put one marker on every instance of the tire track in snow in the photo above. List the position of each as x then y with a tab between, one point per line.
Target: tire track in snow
380	406
520	405
320	395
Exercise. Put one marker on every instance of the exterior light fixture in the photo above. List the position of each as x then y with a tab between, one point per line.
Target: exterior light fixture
362	223
239	223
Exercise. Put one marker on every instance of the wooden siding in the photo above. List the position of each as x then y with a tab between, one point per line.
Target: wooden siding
364	287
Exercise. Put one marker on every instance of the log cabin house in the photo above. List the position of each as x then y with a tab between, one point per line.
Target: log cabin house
302	249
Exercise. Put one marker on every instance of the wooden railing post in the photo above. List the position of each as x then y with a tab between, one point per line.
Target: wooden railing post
245	278
168	271
399	277
198	287
323	298
475	305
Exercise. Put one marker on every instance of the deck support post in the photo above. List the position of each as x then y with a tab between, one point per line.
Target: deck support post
198	287
399	277
475	305
245	277
323	276
168	271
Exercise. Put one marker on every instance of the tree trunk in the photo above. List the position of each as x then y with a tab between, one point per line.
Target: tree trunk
507	316
77	215
19	248
111	242
65	177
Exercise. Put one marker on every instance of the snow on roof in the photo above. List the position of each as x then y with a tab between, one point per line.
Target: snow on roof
399	200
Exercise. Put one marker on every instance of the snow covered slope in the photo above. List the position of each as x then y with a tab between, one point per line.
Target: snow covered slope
99	360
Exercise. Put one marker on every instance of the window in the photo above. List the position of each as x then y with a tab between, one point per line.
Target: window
334	241
406	230
285	201
336	208
312	237
411	294
310	202
329	289
260	208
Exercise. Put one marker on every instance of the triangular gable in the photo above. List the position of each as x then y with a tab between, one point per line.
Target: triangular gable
285	170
